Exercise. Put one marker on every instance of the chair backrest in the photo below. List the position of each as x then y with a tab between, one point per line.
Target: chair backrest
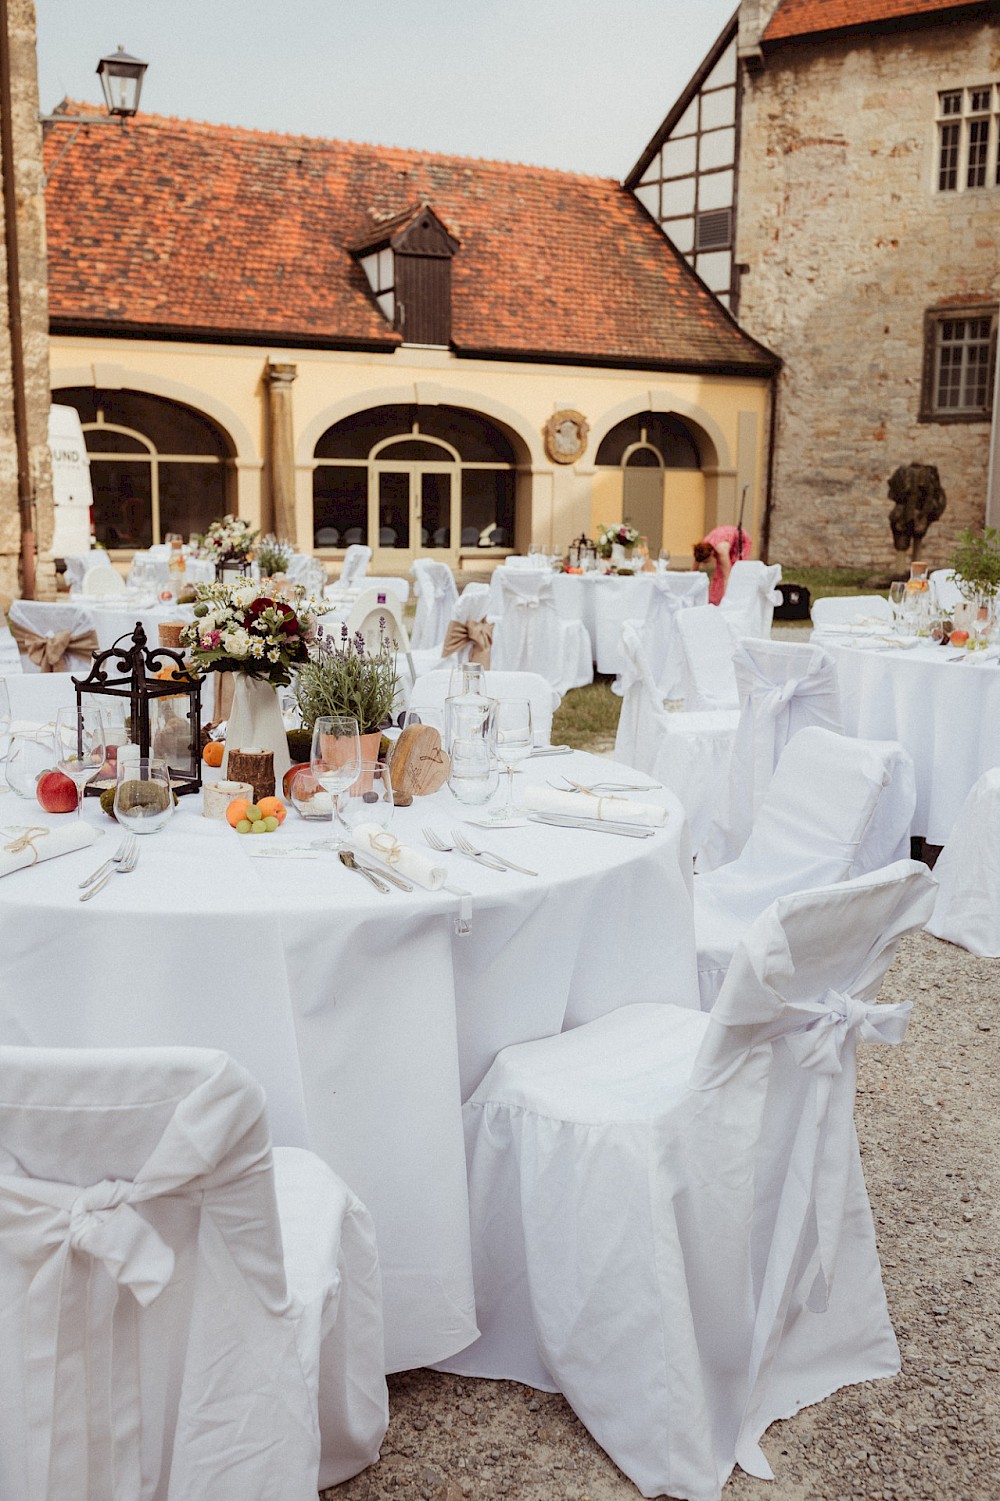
327	536
378	613
708	645
436	593
669	594
849	609
78	566
641	723
49	619
472	604
946	590
355	565
835	808
102	583
432	688
784	686
10	658
750	597
967	911
526	637
139	1239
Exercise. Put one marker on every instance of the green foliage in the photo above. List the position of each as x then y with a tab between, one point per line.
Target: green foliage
273	556
346	678
976	562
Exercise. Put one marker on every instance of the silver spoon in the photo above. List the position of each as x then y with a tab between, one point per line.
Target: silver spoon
347	858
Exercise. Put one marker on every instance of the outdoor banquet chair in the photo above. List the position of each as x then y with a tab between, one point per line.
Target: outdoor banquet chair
530	636
432	688
670	1220
186	1312
750	597
687	752
707	643
657	631
436	594
80	564
849	609
57	636
102	583
355	566
835	808
967	910
784	686
468	634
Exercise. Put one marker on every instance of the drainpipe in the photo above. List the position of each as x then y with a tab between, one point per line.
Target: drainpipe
24	488
765	538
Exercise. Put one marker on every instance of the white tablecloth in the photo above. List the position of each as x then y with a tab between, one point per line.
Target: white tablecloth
366	1018
603	600
941	704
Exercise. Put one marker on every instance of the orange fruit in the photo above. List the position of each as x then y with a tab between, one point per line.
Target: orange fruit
273	807
213	753
236	810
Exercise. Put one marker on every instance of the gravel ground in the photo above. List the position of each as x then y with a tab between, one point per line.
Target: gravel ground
927	1115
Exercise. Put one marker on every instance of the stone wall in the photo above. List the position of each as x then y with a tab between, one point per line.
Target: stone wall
848	245
27	140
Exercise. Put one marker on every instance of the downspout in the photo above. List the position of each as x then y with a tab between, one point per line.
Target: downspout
24	487
765	531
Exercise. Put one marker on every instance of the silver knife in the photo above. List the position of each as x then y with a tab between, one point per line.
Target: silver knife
593	825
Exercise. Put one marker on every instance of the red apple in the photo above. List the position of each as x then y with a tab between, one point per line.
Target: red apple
959	638
56	792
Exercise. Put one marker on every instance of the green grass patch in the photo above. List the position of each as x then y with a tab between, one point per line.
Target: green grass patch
587	718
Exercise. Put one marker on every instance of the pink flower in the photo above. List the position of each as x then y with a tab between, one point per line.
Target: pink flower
212	639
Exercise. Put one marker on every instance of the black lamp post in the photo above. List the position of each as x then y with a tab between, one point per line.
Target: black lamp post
121	78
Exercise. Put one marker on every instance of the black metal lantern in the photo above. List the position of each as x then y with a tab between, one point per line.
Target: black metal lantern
121	79
235	563
161	715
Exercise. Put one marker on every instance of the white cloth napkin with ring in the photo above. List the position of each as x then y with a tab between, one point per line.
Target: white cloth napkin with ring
21	847
412	864
585	805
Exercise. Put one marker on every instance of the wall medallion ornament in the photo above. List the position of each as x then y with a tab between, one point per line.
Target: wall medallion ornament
566	436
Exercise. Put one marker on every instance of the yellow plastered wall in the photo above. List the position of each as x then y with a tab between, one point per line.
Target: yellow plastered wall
606	492
683	511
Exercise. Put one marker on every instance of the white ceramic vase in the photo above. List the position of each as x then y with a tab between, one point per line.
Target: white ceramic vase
255	723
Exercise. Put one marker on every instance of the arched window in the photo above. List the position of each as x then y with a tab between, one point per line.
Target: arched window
644	447
414	479
155	466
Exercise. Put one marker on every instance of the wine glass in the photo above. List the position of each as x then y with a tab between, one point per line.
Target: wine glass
981	623
144	799
662	560
514	744
81	748
897	601
369	799
335	761
4	719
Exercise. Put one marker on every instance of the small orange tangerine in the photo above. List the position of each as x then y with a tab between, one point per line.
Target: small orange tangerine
273	807
213	753
236	810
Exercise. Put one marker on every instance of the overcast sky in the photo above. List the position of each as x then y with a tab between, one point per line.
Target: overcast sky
581	86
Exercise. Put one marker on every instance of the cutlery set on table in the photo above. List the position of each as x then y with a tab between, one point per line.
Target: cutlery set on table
122	863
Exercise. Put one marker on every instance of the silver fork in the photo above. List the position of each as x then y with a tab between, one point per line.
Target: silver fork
124	867
466	847
437	843
120	853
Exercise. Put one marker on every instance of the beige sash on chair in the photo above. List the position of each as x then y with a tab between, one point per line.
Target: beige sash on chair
462	632
49	652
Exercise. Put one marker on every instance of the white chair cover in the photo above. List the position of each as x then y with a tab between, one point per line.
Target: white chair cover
946	590
432	688
708	643
658	633
529	636
670	1222
46	618
102	583
849	609
471	604
967	911
750	597
79	566
355	565
835	808
308	571
10	657
184	1314
437	594
689	753
783	686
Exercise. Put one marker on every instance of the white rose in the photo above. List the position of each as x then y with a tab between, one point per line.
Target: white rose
236	643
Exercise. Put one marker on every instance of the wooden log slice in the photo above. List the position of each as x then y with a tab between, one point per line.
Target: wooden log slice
417	764
255	767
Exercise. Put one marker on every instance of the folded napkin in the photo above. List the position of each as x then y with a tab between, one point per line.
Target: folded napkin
583	805
413	865
30	846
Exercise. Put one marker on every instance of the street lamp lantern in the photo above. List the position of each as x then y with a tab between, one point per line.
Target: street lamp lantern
121	78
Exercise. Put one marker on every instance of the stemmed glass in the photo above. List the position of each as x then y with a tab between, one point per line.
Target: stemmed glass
982	620
335	761
4	721
897	601
514	744
81	747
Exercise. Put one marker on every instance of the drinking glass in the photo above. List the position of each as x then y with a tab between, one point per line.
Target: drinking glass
431	715
29	755
662	560
982	621
144	800
369	799
308	798
473	775
80	746
336	755
514	743
897	602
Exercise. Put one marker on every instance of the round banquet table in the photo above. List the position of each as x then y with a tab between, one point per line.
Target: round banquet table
941	703
602	601
367	1018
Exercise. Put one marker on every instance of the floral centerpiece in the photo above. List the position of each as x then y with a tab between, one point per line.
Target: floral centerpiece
342	676
229	540
240	628
273	557
610	537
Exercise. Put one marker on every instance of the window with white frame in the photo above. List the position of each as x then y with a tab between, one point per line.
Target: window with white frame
959	364
968	125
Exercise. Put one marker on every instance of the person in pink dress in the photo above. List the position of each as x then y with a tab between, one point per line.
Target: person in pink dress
717	552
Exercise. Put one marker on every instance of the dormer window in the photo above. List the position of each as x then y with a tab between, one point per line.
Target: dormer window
407	262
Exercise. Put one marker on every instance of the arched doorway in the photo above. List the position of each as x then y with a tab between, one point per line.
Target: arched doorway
155	466
651	449
414	481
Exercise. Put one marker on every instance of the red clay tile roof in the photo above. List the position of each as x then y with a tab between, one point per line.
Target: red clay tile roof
187	229
803	17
